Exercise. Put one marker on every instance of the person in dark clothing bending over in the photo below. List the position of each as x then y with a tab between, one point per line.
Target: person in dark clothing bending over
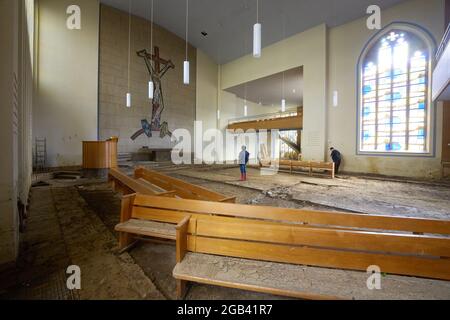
336	157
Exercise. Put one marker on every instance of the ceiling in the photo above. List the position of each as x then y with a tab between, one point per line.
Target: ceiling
269	90
229	22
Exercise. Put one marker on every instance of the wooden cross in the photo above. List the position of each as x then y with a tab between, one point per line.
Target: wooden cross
157	60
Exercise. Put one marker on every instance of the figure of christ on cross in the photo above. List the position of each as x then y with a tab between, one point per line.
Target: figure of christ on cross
154	63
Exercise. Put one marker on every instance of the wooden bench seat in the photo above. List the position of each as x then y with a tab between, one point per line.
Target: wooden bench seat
158	224
259	276
398	245
304	282
148	228
136	219
325	239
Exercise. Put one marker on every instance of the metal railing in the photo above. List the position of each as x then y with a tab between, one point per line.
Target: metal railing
443	44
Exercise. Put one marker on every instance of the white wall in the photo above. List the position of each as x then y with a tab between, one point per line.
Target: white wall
307	49
345	44
67	83
208	95
329	58
207	91
16	87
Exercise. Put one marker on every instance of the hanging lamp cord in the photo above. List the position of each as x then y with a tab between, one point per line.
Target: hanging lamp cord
187	26
129	43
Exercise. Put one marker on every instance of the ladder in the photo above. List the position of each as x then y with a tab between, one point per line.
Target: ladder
40	153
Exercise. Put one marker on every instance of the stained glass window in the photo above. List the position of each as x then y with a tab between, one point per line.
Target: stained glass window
394	95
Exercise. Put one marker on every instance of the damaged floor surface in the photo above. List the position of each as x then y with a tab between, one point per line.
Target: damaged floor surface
72	223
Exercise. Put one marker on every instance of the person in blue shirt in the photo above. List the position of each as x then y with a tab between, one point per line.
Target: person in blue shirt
243	160
337	158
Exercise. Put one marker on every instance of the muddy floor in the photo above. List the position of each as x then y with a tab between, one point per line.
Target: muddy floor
72	222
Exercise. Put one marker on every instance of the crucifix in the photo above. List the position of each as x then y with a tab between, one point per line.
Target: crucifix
157	68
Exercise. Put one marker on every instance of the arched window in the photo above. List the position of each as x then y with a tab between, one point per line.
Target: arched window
394	114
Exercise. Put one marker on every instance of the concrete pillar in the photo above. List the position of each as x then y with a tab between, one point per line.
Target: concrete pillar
9	92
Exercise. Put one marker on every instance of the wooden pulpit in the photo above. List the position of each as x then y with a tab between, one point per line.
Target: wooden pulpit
100	154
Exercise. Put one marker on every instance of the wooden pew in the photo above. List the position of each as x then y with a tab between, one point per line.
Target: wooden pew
294	166
211	249
290	236
173	210
127	185
322	166
181	188
245	235
145	182
134	222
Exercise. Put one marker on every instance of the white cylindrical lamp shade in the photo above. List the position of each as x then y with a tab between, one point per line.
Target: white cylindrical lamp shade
151	89
283	105
257	40
335	98
186	72
128	100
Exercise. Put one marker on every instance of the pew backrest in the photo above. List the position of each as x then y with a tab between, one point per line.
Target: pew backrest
397	253
181	188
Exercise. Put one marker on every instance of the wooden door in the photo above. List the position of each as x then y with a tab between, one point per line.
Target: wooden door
446	133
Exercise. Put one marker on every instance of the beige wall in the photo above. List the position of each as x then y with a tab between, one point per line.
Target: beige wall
180	100
329	58
307	49
16	88
207	91
232	107
345	44
67	80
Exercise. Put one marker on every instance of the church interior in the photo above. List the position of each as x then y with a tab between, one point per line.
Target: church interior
225	150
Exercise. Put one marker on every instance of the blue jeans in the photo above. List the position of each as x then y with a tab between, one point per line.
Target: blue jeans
243	168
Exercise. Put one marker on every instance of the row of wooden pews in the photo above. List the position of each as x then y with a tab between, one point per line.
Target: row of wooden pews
149	182
290	252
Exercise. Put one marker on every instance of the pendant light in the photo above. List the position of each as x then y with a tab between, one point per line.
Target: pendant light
186	61
335	98
151	86
257	34
129	55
